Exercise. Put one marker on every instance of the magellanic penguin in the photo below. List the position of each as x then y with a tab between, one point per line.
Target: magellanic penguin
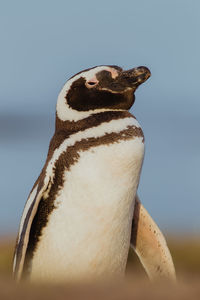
83	214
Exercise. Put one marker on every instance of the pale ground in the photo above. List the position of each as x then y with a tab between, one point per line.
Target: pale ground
186	255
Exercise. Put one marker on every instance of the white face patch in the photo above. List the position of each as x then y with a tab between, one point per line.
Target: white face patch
64	112
114	73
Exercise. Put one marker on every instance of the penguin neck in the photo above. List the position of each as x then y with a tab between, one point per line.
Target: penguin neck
93	120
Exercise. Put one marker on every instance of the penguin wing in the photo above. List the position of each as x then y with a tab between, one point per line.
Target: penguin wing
150	245
40	188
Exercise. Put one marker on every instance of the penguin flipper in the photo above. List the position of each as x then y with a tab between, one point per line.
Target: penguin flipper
150	245
41	186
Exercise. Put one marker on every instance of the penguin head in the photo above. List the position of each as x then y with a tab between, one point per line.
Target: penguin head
99	88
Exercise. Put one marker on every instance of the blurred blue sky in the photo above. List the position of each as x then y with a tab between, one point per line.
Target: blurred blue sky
43	43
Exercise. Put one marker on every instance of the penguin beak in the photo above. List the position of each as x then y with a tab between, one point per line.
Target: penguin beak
136	76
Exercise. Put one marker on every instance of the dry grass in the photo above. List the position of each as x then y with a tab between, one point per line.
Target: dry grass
6	255
132	288
186	254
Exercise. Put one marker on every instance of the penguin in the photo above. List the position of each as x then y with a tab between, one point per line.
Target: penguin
83	213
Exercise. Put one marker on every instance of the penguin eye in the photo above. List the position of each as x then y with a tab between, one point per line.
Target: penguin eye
91	84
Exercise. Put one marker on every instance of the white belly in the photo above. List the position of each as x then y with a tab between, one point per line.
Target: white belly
88	233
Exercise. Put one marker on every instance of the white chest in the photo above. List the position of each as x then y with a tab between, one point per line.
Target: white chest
88	234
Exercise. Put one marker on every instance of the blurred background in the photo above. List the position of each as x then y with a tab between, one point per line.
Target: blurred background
43	43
